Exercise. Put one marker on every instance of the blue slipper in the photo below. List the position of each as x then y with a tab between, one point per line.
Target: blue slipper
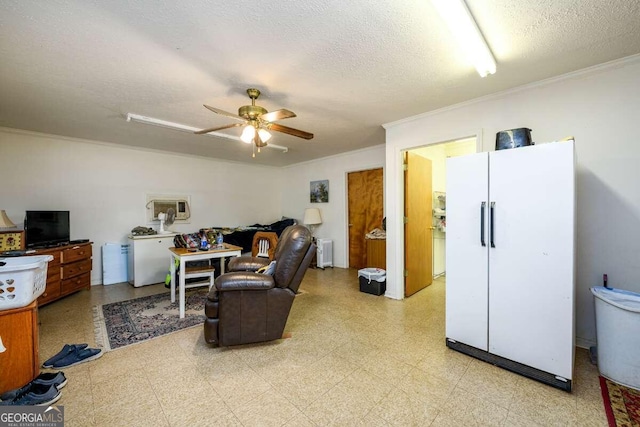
66	350
78	356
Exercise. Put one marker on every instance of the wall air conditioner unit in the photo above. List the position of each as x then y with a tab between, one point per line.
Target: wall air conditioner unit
324	257
180	207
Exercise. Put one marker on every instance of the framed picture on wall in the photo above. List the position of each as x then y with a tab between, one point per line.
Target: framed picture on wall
319	192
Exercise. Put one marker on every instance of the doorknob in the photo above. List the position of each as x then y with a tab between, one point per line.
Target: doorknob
350	225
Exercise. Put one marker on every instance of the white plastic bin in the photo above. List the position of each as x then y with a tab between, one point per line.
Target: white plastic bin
617	332
22	280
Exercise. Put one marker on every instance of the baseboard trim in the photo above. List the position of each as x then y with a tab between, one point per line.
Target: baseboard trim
584	343
510	365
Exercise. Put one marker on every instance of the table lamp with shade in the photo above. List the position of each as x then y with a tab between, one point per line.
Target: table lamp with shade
312	218
10	237
5	222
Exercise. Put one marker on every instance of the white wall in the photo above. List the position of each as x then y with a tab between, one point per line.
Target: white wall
600	107
104	187
296	181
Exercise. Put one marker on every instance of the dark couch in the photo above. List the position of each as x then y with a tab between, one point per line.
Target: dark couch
243	236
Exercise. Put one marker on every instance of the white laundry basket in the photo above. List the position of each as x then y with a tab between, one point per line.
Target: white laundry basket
617	332
22	280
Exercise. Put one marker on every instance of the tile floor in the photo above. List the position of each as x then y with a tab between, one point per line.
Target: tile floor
354	359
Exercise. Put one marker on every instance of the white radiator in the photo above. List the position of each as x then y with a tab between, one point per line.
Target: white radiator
324	256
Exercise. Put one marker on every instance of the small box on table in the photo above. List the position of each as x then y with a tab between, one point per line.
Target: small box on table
373	280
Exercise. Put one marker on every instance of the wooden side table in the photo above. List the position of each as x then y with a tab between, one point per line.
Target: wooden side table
19	357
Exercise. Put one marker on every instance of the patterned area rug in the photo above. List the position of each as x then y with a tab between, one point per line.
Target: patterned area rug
129	322
621	403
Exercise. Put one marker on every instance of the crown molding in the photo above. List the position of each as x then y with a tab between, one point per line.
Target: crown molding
127	147
596	69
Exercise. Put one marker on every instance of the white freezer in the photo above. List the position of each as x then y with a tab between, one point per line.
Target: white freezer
513	297
149	258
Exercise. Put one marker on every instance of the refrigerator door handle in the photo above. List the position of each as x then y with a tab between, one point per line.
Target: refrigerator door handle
483	206
493	205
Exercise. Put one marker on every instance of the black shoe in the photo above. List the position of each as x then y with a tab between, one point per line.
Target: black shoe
44	379
66	350
38	394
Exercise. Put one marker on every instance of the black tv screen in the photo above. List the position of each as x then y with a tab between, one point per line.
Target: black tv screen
46	228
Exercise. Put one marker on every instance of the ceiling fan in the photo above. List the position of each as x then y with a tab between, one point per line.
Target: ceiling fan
257	122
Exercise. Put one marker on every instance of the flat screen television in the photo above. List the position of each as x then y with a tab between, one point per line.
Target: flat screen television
46	228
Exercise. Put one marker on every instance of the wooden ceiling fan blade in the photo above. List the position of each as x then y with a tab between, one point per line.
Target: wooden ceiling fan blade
203	131
272	116
223	113
290	131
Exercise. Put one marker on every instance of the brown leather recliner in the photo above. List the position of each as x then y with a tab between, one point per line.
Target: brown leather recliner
246	307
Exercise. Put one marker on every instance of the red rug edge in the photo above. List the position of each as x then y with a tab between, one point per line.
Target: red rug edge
606	401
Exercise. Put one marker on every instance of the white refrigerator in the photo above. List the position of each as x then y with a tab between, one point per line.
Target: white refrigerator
510	259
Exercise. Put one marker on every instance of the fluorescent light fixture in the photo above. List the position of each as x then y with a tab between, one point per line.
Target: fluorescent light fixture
178	126
464	28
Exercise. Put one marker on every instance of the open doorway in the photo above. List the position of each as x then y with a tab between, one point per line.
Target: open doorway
425	260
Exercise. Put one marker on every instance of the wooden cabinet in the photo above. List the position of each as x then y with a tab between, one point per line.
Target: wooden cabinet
377	253
68	272
19	358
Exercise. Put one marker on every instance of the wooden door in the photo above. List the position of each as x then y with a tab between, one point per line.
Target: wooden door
365	200
418	229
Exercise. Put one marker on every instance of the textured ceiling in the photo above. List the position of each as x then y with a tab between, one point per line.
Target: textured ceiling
75	68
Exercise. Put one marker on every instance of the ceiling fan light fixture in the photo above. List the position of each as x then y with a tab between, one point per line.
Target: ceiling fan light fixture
248	134
264	135
464	28
257	122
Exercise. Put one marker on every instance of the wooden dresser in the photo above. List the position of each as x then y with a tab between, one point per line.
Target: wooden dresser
68	272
